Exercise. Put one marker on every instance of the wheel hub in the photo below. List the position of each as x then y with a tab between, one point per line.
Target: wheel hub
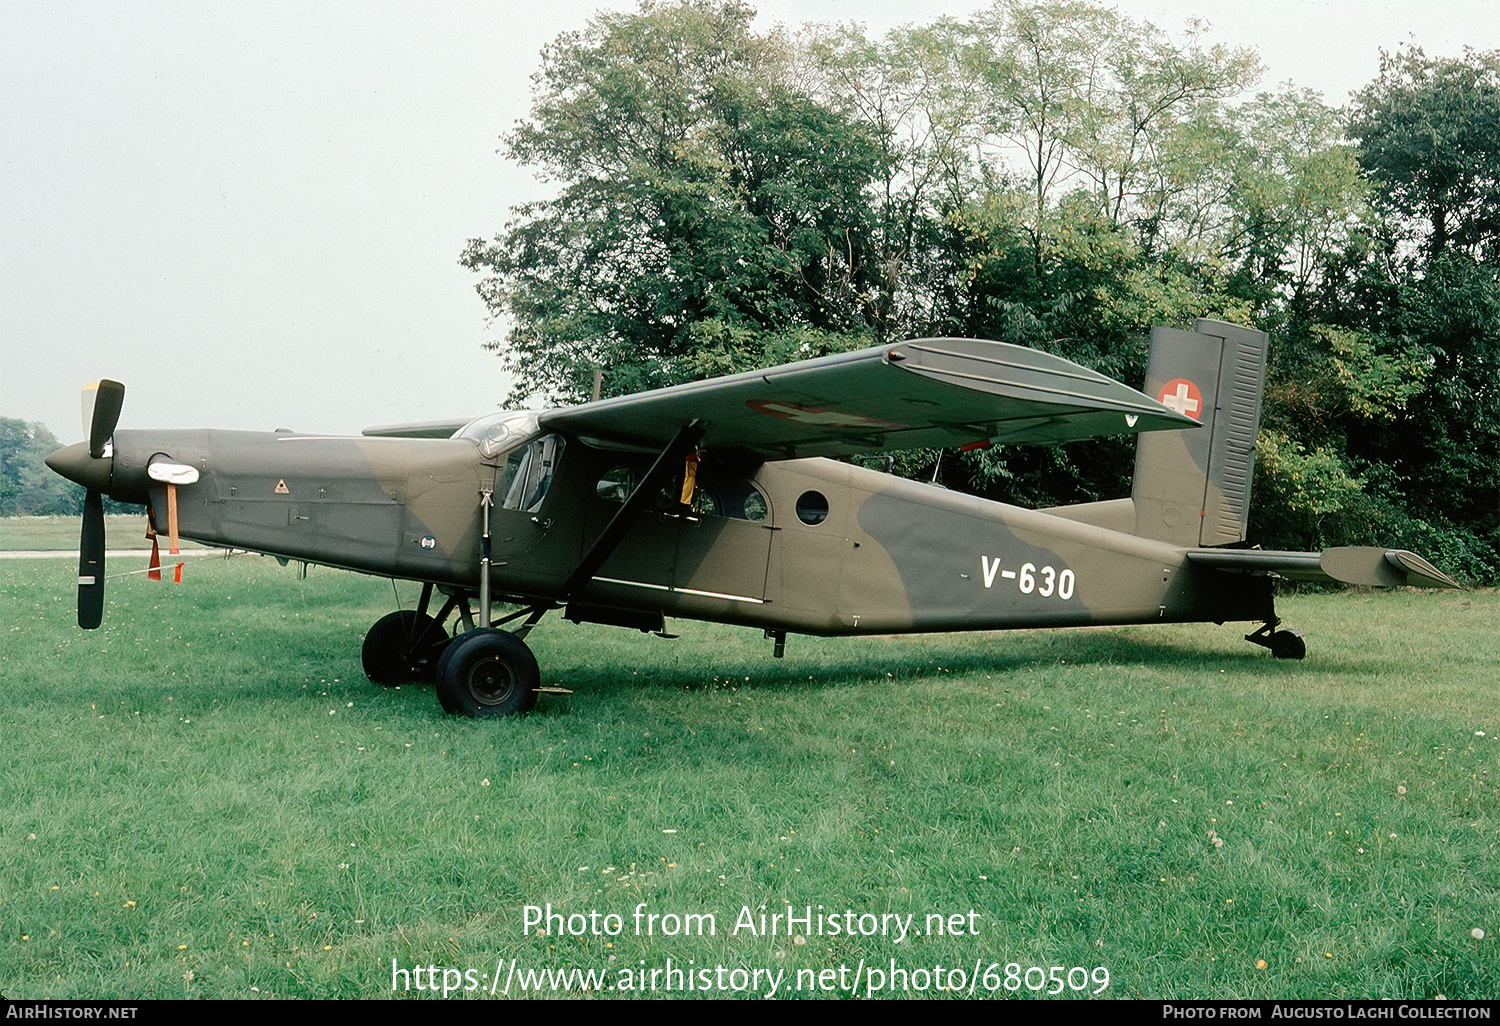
491	682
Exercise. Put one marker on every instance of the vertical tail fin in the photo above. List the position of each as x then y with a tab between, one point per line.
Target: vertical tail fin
1193	487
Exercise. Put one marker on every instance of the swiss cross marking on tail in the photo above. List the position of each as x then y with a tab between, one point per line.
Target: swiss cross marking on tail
1182	395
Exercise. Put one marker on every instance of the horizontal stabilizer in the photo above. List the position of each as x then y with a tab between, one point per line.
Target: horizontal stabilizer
928	393
1364	565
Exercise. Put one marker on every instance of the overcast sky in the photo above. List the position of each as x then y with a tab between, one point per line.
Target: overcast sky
251	213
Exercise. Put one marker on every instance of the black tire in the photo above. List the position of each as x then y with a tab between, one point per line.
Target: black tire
1288	645
403	648
486	673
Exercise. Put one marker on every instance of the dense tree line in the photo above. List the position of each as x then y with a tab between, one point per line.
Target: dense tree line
27	486
1051	174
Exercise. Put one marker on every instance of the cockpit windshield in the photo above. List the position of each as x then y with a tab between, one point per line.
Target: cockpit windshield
498	432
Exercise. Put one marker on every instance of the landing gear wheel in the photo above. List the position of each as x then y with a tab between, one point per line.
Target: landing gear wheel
1288	645
403	648
1283	644
487	673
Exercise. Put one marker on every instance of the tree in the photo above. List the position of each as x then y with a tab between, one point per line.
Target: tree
1450	448
1429	141
704	197
1429	135
1097	102
923	117
1298	198
1048	173
27	487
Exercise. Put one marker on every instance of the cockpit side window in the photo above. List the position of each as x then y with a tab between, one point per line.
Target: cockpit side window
717	493
528	474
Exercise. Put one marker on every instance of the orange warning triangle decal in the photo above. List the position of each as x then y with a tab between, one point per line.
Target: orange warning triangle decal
281	488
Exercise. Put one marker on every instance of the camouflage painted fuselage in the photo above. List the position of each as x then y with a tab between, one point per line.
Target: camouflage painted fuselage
868	553
711	500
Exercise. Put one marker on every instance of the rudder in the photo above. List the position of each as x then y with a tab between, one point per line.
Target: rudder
1193	487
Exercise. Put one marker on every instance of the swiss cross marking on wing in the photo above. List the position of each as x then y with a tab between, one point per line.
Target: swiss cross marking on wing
1182	395
818	415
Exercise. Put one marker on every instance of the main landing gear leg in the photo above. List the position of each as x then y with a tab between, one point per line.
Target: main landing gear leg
488	672
1283	644
481	671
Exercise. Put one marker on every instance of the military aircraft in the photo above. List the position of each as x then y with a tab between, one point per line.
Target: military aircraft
718	501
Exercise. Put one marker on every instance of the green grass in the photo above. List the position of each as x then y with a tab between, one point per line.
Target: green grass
123	531
207	798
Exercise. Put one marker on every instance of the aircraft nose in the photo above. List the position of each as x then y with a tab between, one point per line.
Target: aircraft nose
75	464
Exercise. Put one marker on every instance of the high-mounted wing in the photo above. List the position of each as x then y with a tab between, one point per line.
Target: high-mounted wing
928	393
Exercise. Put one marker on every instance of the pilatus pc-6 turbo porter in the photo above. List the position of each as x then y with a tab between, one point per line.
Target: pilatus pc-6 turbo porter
717	501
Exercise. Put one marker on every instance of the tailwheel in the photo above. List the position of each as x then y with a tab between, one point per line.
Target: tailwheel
403	648
1288	645
487	673
1285	644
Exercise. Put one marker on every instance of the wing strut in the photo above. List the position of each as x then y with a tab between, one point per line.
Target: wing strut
682	443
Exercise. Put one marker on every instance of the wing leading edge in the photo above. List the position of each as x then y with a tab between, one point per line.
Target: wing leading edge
927	393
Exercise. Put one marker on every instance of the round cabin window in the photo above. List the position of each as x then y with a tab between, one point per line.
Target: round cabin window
812	508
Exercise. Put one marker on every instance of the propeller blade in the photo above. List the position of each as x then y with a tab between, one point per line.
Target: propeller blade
109	397
91	563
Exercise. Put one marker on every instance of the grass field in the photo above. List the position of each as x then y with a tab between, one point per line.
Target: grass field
123	531
207	798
